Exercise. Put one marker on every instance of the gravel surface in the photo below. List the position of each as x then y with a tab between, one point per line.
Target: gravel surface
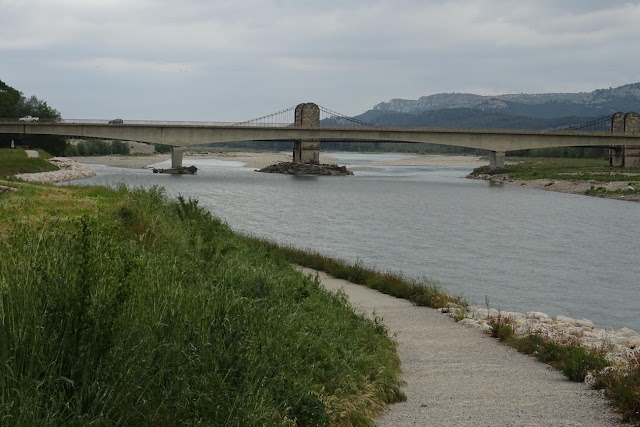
459	377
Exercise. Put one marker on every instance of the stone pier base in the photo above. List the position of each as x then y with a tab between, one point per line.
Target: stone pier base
306	151
496	159
176	156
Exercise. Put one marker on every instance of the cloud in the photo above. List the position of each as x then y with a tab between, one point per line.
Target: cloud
279	52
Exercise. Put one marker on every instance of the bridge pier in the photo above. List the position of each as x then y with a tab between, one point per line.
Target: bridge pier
307	150
176	156
616	156
496	159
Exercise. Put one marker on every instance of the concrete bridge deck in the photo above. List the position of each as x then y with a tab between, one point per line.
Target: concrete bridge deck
179	135
188	135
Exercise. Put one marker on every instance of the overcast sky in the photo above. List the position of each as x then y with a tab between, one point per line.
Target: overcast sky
233	60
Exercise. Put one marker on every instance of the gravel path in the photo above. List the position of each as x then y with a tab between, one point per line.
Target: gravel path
457	376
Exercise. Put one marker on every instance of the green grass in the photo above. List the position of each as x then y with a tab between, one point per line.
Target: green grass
421	293
634	188
559	168
14	161
120	307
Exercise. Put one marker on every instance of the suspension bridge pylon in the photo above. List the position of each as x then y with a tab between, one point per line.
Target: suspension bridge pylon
307	150
627	156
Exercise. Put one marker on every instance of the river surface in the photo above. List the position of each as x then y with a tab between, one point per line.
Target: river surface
519	249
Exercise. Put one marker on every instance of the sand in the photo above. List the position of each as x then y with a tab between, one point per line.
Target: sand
266	158
250	159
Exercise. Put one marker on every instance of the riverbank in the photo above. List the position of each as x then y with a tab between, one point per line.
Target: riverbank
69	170
613	190
592	177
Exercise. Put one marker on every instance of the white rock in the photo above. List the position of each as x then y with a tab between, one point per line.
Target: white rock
538	315
626	332
486	328
584	323
575	331
470	322
493	313
565	319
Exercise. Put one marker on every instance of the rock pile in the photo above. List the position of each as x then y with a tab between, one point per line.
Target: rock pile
295	168
621	346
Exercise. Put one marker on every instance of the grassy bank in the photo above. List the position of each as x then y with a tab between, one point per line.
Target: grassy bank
120	307
14	161
421	293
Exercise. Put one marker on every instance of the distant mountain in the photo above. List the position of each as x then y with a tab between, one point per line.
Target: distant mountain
466	118
543	105
509	111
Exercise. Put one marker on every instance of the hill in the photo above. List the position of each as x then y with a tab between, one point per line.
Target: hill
508	111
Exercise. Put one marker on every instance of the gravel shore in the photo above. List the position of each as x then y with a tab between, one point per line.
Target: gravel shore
564	185
457	376
69	171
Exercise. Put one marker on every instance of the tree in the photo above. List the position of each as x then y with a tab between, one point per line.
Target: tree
9	98
13	104
37	108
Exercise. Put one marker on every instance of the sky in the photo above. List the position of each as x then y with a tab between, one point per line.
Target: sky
234	60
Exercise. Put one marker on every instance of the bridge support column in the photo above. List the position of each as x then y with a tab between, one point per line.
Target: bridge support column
307	150
176	156
616	156
496	159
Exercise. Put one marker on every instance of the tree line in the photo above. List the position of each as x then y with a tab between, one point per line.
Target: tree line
97	147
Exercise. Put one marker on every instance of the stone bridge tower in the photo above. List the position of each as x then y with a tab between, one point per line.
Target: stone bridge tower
307	150
629	155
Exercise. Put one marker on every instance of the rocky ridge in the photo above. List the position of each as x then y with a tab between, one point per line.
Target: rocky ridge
468	100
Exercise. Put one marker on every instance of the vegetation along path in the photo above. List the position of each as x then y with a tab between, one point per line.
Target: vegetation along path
456	376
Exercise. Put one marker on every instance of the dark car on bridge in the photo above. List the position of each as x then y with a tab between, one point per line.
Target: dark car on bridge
116	122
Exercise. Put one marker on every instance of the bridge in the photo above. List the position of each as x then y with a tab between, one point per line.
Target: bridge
303	126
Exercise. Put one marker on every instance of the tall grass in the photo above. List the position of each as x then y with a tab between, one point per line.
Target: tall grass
151	312
421	293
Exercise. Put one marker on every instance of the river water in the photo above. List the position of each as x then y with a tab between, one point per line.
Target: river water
519	249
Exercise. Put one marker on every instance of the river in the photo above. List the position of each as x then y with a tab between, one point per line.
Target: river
515	248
